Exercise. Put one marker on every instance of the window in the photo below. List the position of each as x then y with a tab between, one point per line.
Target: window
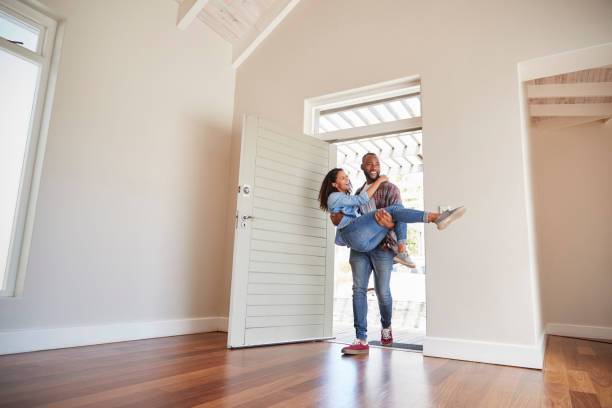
370	113
18	32
27	39
385	108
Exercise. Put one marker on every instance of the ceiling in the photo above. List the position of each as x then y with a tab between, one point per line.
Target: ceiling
232	19
570	99
242	23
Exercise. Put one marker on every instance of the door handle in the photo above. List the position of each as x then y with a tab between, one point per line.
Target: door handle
247	217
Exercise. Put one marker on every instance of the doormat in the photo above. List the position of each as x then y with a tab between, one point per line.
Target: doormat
417	347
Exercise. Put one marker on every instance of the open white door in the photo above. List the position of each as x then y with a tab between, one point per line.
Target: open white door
282	277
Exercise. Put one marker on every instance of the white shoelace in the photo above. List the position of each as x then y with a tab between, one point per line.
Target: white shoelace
386	334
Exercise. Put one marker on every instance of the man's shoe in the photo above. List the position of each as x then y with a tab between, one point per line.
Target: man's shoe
448	216
386	337
404	259
356	348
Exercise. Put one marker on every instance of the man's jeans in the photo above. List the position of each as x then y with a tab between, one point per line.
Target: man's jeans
362	264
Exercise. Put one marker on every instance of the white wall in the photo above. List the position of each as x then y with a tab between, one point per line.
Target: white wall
133	194
571	174
480	284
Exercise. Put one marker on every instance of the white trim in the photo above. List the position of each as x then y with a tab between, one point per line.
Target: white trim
330	262
536	304
562	122
518	355
38	165
571	61
47	59
21	52
20	341
243	346
364	94
246	52
385	128
576	330
188	11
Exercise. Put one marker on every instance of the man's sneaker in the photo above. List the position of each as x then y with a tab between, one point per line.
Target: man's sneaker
386	337
356	348
404	259
448	216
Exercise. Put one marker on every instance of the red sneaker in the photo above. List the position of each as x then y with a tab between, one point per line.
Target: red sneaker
386	337
356	348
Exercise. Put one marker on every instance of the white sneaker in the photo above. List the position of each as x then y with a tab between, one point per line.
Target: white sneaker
404	259
449	216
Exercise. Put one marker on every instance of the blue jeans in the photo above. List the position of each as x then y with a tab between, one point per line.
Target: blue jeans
362	264
364	234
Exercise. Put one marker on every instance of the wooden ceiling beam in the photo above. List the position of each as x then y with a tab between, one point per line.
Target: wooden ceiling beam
552	124
188	11
266	23
577	109
585	89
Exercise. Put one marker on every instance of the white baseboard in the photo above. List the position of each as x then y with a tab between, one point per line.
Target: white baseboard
19	341
487	352
574	330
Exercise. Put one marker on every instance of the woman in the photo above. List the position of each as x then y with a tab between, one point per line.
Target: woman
363	233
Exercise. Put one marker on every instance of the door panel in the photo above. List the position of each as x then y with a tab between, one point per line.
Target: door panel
282	277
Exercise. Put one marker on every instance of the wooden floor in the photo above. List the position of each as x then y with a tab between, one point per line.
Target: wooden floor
198	370
344	333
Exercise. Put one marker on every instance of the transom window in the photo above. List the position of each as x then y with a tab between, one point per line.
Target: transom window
370	113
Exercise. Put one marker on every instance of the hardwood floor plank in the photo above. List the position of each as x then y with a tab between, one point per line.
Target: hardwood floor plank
586	350
584	400
578	380
556	396
502	390
198	370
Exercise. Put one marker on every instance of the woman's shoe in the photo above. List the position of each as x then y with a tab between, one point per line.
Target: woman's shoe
404	259
449	216
356	348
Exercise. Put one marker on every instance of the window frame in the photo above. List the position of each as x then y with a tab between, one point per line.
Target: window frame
368	94
47	58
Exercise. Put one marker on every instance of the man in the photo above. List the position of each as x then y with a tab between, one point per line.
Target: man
379	260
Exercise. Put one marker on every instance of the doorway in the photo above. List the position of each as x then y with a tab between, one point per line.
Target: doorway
401	159
384	119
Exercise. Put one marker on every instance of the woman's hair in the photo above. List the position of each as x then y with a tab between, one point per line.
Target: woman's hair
327	188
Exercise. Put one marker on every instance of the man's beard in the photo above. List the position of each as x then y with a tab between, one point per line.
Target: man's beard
369	179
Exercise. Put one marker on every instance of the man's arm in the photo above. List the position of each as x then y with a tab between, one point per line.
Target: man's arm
392	196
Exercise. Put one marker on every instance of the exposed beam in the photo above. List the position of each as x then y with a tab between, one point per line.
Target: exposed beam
408	107
374	112
392	111
347	119
266	23
581	109
571	61
569	90
188	11
378	129
363	118
564	122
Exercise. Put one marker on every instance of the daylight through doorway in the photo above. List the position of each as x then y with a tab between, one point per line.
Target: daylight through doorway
401	158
